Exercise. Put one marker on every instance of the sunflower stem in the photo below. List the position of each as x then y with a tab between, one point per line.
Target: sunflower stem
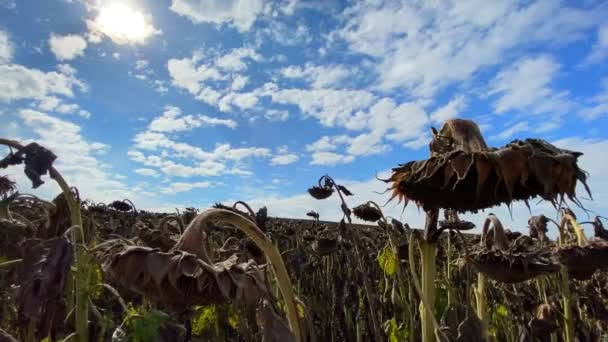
480	295
567	299
427	252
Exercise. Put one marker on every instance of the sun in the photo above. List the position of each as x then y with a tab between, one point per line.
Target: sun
122	23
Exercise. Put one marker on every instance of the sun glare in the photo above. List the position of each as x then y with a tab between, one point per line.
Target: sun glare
123	24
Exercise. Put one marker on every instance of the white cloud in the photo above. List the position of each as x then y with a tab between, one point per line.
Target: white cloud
18	82
328	143
421	141
6	48
286	34
116	55
240	13
172	120
276	115
320	76
331	107
599	51
67	47
147	172
238	82
527	85
215	78
330	158
242	100
422	47
185	74
178	187
519	127
284	157
222	160
599	104
235	60
55	104
141	64
449	110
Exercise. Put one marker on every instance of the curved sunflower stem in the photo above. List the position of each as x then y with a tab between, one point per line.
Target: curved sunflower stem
261	240
580	234
81	258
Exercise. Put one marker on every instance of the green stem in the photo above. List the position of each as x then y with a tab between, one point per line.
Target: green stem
480	295
566	298
427	252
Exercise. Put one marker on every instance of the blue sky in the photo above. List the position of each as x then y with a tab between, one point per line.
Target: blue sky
188	102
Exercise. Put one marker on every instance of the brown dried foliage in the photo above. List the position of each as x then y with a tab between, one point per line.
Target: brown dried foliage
7	186
470	176
180	279
367	212
510	261
544	323
583	261
42	275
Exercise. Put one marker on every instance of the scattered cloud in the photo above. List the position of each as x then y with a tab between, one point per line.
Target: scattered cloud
147	172
526	85
6	48
330	158
599	51
19	82
319	76
422	47
67	47
519	127
276	115
199	74
172	120
177	187
450	110
598	106
239	13
284	157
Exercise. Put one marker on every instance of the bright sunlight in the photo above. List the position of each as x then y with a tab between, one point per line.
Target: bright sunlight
123	24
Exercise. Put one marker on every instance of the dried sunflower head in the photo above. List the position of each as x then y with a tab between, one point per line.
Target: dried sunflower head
544	323
320	193
121	206
7	186
367	212
313	214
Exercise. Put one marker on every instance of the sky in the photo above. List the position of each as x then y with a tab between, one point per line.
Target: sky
184	103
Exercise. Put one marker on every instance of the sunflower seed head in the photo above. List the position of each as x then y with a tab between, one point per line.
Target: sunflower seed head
320	192
367	213
313	214
121	206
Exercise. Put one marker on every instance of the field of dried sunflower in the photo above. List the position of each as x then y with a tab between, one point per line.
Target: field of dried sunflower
71	269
